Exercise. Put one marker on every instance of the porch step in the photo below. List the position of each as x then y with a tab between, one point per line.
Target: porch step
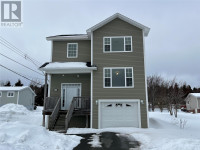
60	123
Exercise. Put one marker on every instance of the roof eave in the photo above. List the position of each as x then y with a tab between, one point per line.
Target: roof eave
58	38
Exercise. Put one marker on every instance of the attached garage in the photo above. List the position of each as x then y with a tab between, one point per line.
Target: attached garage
119	113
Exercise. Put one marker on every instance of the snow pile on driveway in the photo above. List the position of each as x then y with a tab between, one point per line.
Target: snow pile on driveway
164	132
20	129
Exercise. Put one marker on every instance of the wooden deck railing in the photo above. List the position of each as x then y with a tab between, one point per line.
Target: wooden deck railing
78	104
69	113
53	117
82	103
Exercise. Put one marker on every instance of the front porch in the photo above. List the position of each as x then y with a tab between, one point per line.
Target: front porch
60	119
69	93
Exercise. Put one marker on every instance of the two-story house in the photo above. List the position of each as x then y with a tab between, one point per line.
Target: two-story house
100	76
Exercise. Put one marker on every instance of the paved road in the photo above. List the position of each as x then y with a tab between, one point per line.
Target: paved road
109	141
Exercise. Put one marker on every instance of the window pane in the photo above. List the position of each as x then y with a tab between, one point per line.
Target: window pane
117	44
107	48
129	72
128	41
107	72
107	41
107	82
118	77
128	47
72	50
128	81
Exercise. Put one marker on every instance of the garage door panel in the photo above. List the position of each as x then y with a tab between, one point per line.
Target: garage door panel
119	114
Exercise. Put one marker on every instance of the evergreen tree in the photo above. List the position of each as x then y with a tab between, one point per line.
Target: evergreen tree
18	83
8	83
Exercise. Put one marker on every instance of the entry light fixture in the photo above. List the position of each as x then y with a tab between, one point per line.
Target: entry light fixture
117	73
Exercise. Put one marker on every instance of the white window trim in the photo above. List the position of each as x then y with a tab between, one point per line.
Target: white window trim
10	92
76	50
0	94
111	77
111	44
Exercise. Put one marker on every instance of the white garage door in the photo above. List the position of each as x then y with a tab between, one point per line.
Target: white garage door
119	114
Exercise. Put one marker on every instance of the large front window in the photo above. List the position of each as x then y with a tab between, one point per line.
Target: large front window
118	44
118	77
72	50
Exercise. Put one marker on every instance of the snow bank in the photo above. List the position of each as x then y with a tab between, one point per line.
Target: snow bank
10	111
20	129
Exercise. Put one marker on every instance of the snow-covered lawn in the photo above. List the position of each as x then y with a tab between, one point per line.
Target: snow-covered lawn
20	129
164	132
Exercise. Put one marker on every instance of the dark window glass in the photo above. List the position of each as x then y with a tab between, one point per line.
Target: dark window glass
118	77
107	48
107	82
117	44
128	81
128	47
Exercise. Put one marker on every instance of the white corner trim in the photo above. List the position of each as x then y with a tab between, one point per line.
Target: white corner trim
51	51
91	100
145	80
49	86
18	98
118	100
91	48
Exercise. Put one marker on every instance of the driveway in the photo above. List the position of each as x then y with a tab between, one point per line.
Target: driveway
107	141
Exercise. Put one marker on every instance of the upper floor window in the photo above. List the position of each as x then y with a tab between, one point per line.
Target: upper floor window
118	77
72	50
117	44
10	94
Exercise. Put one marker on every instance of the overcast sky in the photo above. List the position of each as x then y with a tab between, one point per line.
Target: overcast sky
172	47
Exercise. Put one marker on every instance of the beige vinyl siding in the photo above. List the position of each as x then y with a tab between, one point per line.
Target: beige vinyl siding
58	79
133	59
60	51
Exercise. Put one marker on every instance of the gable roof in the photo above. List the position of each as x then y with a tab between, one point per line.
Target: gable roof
122	17
93	28
15	88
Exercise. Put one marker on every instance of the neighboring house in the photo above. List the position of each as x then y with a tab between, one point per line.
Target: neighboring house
193	102
105	70
22	95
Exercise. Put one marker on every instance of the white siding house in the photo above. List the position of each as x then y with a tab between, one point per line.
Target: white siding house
193	102
22	95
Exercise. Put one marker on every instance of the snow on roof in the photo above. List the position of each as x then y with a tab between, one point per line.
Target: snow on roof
12	88
65	65
195	94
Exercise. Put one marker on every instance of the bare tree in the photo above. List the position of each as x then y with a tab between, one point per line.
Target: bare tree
154	83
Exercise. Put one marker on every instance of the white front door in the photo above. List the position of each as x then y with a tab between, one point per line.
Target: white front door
68	91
